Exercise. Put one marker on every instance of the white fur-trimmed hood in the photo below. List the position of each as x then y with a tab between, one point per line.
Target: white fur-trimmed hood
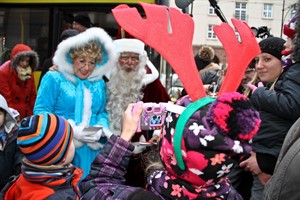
63	60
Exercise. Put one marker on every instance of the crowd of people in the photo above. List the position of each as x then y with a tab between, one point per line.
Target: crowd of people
77	136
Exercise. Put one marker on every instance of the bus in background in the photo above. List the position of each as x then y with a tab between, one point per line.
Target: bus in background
38	23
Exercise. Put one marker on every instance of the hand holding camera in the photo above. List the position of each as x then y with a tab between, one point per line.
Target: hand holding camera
131	120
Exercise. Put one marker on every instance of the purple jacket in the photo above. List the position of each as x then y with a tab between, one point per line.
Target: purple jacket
106	178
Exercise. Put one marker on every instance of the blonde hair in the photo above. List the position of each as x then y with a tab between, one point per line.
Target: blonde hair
253	81
91	49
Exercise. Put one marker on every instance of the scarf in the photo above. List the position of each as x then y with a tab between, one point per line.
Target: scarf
47	175
24	73
79	104
287	58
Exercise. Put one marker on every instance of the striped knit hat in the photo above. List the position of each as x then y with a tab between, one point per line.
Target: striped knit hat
45	139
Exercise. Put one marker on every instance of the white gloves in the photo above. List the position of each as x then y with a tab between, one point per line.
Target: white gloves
85	135
107	132
149	78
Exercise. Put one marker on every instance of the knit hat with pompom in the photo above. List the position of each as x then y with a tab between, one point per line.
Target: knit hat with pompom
204	57
197	146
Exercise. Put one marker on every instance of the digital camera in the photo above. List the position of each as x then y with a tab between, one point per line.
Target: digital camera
153	116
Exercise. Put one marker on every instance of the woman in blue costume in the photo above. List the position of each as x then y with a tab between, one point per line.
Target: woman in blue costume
77	90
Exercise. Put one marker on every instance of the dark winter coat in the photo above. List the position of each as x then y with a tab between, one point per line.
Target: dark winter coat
10	158
10	154
279	109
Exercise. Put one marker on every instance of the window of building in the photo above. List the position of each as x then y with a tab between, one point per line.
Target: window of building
238	37
240	11
211	11
267	13
210	32
24	25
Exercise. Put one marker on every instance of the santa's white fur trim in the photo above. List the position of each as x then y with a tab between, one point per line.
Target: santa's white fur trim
130	45
149	78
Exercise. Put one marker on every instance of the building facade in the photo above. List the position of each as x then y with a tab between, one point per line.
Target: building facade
267	15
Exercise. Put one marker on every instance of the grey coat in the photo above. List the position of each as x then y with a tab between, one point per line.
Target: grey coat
285	181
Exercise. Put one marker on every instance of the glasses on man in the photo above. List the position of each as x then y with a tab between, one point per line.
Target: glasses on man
133	58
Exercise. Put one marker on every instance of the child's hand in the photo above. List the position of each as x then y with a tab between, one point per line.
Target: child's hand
251	164
263	178
131	120
154	139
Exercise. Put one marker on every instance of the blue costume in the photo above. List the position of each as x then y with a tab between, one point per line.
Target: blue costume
81	101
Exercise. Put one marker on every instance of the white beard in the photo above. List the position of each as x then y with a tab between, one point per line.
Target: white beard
123	88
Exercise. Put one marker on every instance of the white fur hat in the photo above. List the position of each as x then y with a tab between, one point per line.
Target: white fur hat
130	45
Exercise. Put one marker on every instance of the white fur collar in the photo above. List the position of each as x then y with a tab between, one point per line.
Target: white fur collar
63	60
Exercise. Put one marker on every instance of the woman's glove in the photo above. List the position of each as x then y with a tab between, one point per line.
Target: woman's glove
253	87
85	135
107	132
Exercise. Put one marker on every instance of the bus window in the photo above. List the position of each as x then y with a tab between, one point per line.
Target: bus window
39	23
28	26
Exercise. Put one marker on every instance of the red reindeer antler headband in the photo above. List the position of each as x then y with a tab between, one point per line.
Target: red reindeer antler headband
170	32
